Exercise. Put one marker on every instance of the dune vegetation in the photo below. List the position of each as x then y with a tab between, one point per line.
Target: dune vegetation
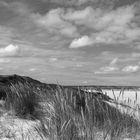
31	110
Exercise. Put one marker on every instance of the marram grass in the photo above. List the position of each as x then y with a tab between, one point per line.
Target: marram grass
62	113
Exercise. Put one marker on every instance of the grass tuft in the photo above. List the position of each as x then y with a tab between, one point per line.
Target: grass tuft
66	113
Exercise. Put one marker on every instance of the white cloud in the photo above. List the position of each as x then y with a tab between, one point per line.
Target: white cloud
54	23
53	59
105	25
81	42
112	67
131	68
108	26
116	19
114	61
10	50
112	20
32	69
116	26
77	16
106	70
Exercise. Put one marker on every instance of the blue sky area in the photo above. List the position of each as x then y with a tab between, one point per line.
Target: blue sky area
71	41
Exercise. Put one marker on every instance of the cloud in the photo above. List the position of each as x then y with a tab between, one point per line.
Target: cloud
32	69
103	25
111	26
10	50
16	7
78	16
114	61
112	67
131	68
116	19
81	42
106	70
97	18
53	59
106	26
54	23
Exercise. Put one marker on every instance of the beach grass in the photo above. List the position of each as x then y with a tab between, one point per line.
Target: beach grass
29	112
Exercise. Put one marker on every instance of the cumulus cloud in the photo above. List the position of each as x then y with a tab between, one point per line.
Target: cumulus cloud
108	26
131	68
81	42
54	23
100	19
10	50
103	25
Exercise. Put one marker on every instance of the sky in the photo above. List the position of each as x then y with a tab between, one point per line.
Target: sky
72	42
